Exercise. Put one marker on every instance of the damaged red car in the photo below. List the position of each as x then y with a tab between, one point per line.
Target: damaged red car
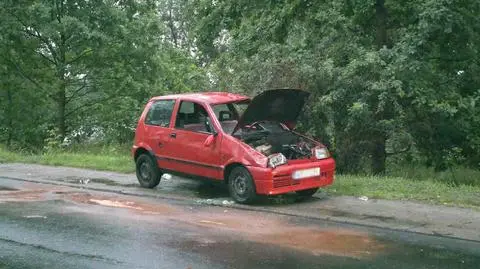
250	144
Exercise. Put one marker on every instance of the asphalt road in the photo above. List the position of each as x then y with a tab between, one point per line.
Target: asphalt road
46	226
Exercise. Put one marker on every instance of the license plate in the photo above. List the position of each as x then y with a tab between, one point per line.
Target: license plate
311	172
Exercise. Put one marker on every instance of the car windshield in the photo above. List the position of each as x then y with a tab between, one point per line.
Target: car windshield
228	114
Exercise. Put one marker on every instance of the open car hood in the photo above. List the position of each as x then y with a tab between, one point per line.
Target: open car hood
280	105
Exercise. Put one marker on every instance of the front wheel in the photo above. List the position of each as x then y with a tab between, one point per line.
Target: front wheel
307	193
148	173
241	186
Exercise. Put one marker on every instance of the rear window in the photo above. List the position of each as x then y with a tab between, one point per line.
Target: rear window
160	113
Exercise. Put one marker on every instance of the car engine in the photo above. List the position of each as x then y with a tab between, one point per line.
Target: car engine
269	138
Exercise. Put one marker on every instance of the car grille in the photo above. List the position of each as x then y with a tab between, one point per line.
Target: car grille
286	180
283	181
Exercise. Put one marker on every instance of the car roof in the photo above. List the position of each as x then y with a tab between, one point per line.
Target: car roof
206	97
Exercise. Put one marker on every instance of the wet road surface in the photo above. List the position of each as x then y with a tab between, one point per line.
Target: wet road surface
45	226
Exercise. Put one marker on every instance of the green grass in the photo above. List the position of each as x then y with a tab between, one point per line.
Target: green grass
411	183
109	159
400	188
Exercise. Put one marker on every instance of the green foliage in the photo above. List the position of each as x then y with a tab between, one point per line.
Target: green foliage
376	69
84	65
52	141
392	82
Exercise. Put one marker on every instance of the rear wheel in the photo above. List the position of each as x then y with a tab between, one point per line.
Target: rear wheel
241	186
307	193
148	173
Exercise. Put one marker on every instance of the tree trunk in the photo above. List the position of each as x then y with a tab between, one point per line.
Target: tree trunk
10	118
171	24
62	76
61	103
381	18
379	154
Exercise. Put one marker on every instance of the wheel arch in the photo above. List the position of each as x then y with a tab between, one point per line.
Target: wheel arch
140	151
228	169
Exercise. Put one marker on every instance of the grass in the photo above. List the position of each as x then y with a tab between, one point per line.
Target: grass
400	188
408	183
108	159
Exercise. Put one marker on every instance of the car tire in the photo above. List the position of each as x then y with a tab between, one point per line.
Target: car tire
148	173
307	193
241	186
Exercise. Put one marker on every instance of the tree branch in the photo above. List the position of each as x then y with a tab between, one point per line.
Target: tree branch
36	34
73	95
85	52
23	74
46	58
87	105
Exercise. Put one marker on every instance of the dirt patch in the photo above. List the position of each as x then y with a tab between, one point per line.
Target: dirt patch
332	242
113	201
276	231
23	196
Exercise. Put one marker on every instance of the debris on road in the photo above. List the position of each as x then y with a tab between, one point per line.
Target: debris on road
84	181
35	217
167	176
363	198
211	222
215	202
226	202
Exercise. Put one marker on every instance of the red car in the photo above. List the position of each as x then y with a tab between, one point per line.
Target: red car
248	143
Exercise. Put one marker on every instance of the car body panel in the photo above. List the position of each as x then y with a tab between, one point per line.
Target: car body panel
209	155
270	105
279	180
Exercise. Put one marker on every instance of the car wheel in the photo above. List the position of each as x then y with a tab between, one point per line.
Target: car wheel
148	173
241	186
307	192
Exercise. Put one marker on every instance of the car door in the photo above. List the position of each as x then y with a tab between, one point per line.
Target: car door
158	127
187	148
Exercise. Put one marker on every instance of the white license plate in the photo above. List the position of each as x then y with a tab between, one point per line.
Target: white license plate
311	172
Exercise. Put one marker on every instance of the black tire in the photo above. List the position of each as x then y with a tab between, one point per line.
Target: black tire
241	186
307	193
148	173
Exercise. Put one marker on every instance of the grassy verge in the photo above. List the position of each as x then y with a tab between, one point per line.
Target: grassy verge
428	189
99	159
398	188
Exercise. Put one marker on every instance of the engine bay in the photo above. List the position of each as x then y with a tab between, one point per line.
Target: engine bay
272	137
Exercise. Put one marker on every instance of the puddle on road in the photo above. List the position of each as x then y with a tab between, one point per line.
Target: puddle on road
276	231
5	188
217	221
86	180
116	202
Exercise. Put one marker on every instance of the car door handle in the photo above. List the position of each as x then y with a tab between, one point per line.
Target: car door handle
173	135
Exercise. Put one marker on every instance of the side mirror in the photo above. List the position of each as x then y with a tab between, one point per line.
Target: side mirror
209	141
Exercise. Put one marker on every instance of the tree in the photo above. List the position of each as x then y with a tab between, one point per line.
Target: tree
376	69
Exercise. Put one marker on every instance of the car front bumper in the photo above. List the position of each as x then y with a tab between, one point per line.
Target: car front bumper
279	180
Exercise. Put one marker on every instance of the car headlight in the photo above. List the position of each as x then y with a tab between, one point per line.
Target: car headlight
321	153
276	159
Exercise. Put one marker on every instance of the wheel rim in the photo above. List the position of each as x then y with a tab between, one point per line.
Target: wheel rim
240	184
145	171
